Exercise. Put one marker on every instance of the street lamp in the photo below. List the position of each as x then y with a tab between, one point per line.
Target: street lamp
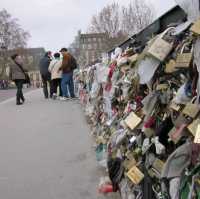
3	49
1	54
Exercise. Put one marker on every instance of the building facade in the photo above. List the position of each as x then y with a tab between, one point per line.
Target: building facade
36	80
88	48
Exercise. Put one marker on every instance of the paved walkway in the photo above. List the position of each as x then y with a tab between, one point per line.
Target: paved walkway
45	151
9	93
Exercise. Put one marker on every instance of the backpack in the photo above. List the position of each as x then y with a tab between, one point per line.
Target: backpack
74	63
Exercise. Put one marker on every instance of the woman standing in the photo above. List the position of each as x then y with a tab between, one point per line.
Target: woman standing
18	75
56	76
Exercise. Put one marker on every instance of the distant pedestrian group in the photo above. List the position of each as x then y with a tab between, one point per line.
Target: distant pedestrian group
57	72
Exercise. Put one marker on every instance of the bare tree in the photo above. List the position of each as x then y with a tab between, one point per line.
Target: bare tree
12	36
107	21
136	16
121	22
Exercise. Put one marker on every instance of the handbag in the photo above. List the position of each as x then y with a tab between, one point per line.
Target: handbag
160	47
27	79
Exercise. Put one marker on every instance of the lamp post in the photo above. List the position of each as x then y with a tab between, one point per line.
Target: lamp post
1	53
3	49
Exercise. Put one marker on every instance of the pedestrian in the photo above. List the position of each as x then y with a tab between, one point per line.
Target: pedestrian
46	75
69	64
56	75
19	76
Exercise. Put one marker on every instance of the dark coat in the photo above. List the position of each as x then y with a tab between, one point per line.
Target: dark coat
44	66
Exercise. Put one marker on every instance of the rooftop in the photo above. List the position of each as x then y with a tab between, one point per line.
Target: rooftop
93	35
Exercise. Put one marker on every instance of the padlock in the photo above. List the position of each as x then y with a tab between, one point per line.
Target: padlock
196	27
160	48
184	59
132	121
135	175
193	126
128	164
170	67
191	110
158	165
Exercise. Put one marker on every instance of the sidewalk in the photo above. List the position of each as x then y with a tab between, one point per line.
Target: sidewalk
46	151
9	93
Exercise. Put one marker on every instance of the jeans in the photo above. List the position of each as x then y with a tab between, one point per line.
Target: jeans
19	85
67	83
45	81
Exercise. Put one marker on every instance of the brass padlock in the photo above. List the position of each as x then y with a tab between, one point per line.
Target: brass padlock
132	121
193	126
196	27
135	175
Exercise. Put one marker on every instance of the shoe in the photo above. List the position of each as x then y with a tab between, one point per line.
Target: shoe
54	97
64	98
23	100
19	103
74	98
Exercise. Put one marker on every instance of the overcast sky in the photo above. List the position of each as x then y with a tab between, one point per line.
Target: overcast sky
54	23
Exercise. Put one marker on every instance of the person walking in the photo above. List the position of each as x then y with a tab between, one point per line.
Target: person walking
46	75
56	76
18	75
69	64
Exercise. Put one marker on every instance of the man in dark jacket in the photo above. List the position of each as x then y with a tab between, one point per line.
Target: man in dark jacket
45	74
69	64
